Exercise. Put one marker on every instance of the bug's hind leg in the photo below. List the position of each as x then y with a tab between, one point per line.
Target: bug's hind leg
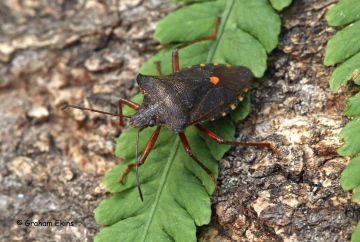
188	150
219	140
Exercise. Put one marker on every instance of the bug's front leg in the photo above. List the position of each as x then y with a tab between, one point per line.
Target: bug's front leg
150	144
128	103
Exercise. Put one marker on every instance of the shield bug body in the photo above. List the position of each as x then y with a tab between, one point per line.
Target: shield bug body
190	96
186	97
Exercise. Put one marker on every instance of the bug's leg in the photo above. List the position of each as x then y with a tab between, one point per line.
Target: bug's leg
219	140
128	103
157	66
148	148
175	54
188	150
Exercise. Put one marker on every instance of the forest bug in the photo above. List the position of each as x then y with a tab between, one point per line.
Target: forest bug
183	98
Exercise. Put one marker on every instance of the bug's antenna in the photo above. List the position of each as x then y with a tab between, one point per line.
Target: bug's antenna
137	164
94	110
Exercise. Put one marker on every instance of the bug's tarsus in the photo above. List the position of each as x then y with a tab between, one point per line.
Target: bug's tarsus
219	140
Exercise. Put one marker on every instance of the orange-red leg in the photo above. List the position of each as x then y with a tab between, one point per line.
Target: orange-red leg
175	54
157	66
131	104
188	150
219	140
150	144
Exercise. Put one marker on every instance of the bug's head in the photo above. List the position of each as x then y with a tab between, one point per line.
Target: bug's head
148	113
144	117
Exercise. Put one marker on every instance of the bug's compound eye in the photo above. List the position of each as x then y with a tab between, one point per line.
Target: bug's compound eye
151	123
